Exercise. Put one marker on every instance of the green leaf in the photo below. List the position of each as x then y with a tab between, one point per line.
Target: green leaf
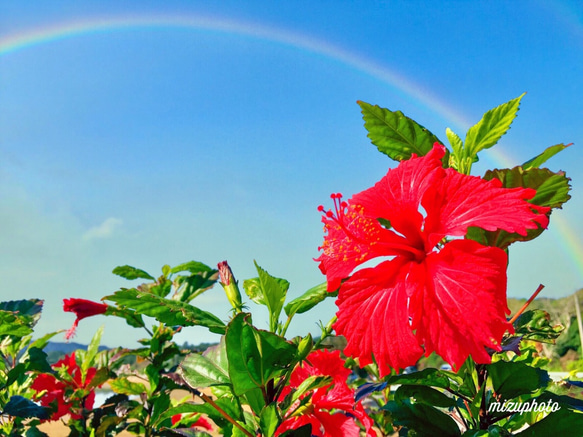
552	190
559	423
423	420
166	270
92	350
160	405
539	160
310	383
131	273
200	372
41	342
394	134
33	431
255	356
193	267
194	285
153	374
228	405
36	359
457	160
19	406
269	291
15	374
491	127
492	431
131	317
12	324
429	377
167	311
455	141
160	288
124	386
269	420
536	325
308	300
511	379
27	310
424	394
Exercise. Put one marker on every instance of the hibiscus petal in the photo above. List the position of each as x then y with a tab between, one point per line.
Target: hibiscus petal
322	363
337	424
462	309
352	239
397	196
459	201
372	315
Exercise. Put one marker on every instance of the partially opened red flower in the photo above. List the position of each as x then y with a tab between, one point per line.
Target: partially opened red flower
332	410
61	393
82	308
429	293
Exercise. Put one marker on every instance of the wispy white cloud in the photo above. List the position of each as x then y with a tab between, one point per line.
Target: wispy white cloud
104	230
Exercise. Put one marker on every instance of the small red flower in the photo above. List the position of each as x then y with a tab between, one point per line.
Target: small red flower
59	391
82	308
434	290
332	410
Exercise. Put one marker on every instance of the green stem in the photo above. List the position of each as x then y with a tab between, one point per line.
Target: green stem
284	329
222	412
482	377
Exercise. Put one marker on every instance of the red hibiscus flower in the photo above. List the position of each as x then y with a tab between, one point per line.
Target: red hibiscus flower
332	410
429	293
82	308
61	393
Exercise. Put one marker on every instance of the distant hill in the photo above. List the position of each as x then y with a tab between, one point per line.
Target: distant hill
561	310
67	348
566	354
56	351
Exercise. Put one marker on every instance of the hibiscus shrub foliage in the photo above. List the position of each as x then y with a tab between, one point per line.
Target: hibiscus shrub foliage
417	267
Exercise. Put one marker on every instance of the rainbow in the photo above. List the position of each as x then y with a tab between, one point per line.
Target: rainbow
569	240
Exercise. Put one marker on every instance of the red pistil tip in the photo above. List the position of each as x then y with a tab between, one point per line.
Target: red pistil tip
329	214
321	208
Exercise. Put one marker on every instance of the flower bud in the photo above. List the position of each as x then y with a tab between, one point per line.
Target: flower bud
227	280
305	347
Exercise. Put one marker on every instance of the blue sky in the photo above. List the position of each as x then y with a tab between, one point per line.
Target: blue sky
152	144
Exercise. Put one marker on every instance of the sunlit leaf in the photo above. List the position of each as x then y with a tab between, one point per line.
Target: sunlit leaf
552	190
511	379
27	310
131	273
539	160
536	325
308	300
395	134
491	127
124	386
269	420
563	422
269	291
255	356
200	372
195	284
167	311
11	324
